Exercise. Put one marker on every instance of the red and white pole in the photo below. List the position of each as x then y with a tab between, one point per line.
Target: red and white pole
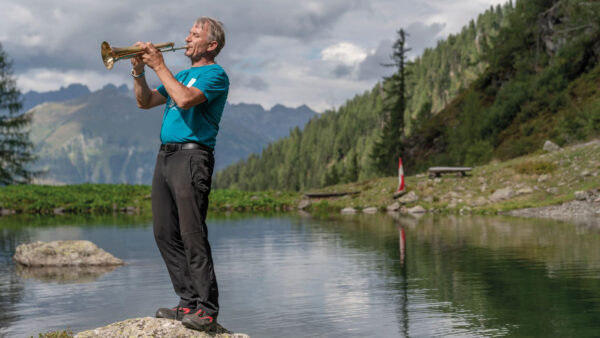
400	177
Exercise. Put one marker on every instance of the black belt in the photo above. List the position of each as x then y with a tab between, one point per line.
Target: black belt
170	147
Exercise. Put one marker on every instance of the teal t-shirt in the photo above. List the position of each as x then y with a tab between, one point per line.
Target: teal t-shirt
199	123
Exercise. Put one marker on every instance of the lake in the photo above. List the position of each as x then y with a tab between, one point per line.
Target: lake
298	275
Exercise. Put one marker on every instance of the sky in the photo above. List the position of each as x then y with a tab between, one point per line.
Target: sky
318	53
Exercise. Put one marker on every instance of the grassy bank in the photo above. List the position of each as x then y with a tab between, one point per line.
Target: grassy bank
536	180
539	179
110	198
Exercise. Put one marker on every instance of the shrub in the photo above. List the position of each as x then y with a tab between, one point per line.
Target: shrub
535	167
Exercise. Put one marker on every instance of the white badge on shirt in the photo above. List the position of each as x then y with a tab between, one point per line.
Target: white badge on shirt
192	81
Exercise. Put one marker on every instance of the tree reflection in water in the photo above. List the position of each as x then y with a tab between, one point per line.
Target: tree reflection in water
11	286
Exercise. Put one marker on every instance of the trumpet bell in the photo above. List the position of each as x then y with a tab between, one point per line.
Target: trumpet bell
107	55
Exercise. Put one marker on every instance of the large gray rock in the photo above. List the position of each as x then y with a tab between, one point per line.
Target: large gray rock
154	327
479	201
417	210
524	191
411	197
370	210
304	204
501	194
348	211
449	196
393	207
543	178
64	253
551	146
581	195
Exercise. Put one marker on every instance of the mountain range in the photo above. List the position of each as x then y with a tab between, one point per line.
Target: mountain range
102	137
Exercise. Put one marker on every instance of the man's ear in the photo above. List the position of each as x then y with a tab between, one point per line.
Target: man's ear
212	46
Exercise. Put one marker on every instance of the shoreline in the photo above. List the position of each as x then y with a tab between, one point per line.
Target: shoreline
578	212
563	184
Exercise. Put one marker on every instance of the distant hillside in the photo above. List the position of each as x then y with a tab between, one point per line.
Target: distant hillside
33	98
518	75
102	137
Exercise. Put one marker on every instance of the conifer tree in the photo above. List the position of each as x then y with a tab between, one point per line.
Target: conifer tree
15	147
388	148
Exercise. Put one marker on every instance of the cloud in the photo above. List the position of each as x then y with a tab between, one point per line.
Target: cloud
455	14
252	82
345	52
43	79
342	70
421	36
278	51
372	67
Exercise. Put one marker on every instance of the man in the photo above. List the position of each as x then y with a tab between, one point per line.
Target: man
194	100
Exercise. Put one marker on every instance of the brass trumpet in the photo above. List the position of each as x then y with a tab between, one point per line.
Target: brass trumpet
110	55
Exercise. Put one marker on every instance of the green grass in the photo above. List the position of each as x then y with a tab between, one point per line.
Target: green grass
109	198
81	198
56	334
563	172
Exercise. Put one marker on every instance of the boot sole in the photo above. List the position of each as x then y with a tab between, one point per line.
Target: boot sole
190	324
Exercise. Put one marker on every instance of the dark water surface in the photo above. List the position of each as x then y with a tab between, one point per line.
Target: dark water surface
328	276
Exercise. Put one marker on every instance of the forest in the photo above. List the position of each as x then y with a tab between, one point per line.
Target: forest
519	74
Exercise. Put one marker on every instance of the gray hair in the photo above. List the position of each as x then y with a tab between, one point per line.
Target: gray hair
216	32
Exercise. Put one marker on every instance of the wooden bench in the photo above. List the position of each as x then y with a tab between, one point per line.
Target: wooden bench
330	194
438	171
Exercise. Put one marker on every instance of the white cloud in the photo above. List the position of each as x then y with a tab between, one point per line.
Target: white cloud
344	52
455	15
42	79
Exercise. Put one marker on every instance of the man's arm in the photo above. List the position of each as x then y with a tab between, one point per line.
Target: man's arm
184	97
145	97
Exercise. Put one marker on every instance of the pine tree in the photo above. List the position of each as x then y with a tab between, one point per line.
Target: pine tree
15	147
388	148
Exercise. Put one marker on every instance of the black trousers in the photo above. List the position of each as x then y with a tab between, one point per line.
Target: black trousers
180	189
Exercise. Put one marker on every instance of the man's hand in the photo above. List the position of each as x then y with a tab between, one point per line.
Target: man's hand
152	56
136	62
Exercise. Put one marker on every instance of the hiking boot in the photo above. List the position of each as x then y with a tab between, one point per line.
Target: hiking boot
176	313
199	321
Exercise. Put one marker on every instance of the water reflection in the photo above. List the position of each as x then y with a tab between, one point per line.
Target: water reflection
64	275
331	275
11	286
521	277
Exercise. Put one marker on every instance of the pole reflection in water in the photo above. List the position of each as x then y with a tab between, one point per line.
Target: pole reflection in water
402	240
404	282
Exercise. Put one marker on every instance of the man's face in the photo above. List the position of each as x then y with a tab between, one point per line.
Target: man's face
197	42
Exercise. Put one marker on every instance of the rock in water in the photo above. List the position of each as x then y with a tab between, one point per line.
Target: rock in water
154	327
64	253
371	210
